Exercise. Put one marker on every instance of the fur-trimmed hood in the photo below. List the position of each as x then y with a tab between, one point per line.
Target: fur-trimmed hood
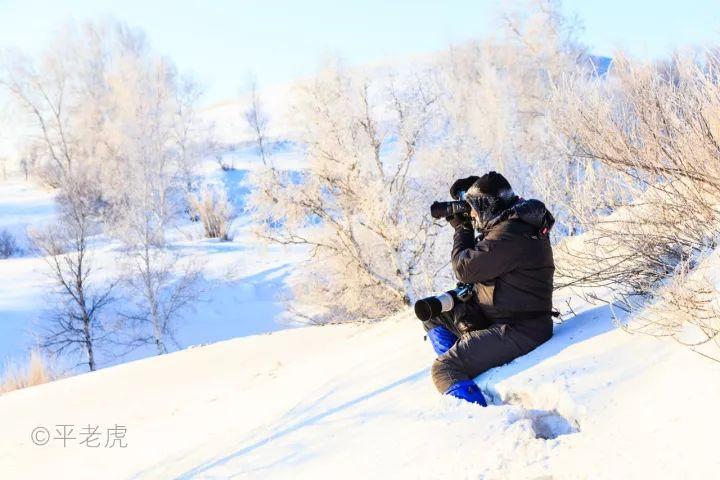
531	211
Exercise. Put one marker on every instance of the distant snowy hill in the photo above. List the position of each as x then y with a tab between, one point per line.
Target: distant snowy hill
356	401
228	116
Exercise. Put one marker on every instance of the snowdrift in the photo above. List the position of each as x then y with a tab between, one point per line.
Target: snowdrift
357	401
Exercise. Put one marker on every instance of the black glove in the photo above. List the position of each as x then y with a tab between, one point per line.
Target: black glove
460	221
468	316
462	185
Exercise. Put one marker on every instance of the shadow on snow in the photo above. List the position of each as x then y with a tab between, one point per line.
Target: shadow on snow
301	424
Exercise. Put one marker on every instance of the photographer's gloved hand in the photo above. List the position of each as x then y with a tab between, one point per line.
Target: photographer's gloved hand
462	185
460	221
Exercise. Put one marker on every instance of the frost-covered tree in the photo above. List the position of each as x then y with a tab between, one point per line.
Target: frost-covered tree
360	206
257	120
501	91
76	319
659	131
150	194
76	100
102	106
63	97
161	292
192	137
656	126
381	150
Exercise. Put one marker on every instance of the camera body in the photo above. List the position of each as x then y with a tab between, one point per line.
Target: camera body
445	209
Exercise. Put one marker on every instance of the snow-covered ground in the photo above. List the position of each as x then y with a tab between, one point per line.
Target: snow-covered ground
345	400
254	399
23	286
356	401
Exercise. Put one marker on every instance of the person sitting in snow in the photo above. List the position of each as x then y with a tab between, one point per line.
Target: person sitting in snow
511	266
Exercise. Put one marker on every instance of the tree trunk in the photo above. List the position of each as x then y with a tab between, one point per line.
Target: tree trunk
88	343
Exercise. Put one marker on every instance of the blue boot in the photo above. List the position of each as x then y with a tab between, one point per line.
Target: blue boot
441	339
467	390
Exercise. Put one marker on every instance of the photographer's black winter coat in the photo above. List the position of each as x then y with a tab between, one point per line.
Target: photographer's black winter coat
512	267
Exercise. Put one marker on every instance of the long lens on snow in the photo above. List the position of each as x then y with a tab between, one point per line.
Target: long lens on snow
430	307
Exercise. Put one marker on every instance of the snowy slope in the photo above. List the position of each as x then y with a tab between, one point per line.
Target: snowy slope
356	401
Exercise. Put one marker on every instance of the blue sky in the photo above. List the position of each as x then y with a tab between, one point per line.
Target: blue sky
225	43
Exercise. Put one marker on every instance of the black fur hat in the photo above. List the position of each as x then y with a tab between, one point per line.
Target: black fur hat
489	196
492	184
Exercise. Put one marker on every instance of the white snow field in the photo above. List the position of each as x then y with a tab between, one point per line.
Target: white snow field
356	401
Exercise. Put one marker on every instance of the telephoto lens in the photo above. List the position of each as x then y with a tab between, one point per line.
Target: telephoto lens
430	307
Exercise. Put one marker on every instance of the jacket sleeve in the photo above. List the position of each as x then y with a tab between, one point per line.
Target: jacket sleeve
482	261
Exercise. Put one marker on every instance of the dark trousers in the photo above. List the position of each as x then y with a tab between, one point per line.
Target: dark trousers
480	349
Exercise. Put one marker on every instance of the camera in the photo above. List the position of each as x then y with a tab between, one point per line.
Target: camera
430	307
445	209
